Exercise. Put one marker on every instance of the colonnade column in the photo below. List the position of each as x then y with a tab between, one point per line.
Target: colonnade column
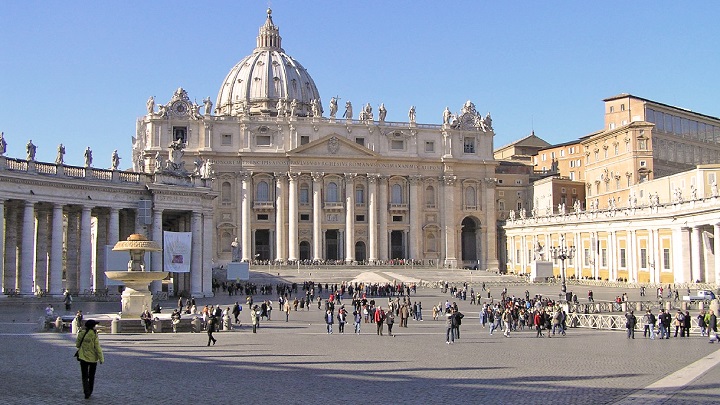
101	238
2	244
113	232
207	252
41	250
196	268
280	198
292	217
157	236
317	215
488	238
372	218
349	217
695	263
245	198
415	210
382	229
27	249
449	220
716	242
56	249
71	259
85	277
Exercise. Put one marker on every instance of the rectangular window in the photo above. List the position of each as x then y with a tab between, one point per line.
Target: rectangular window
642	144
572	175
226	139
562	152
469	145
643	163
360	141
397	145
304	196
304	139
359	218
586	257
572	150
180	134
359	196
552	155
623	259
643	258
429	146
262	140
519	205
501	193
603	257
666	259
397	218
262	217
305	217
501	205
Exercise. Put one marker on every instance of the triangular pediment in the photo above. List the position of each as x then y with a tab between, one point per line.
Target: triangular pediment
333	146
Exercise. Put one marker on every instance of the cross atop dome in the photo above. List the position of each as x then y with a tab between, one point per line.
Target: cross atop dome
269	36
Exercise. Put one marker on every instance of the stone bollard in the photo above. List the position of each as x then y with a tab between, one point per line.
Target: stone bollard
668	306
75	328
196	324
226	323
157	325
58	324
114	325
684	306
624	306
701	306
638	306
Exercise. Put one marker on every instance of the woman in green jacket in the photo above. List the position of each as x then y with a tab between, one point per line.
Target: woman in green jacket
89	354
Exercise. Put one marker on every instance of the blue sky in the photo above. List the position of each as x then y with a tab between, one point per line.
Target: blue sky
80	72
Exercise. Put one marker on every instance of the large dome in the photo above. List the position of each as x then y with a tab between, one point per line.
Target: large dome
265	77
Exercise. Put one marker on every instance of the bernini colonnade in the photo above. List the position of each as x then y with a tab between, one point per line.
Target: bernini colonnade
58	219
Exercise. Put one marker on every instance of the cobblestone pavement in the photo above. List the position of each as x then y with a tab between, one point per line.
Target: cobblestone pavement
298	362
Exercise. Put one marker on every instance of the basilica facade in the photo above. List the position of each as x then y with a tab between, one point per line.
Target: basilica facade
298	184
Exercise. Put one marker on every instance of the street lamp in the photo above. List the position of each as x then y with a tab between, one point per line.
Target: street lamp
562	253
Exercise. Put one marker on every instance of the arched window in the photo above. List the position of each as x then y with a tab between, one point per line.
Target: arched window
332	192
430	197
470	197
396	194
263	191
226	192
304	194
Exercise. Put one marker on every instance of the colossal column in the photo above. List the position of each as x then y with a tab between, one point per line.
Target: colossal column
101	238
27	249
10	281
488	238
383	207
71	257
280	198
350	217
245	197
292	217
317	214
372	218
196	264
56	250
415	205
449	220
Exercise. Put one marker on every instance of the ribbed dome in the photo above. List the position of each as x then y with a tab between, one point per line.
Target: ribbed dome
265	77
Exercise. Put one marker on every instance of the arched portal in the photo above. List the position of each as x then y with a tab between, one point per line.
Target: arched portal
470	242
360	252
305	250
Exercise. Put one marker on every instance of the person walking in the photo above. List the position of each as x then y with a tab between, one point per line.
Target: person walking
211	326
630	322
254	318
712	327
450	325
329	321
286	309
357	319
379	317
537	320
89	353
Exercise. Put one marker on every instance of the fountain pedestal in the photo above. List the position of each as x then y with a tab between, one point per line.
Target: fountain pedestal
137	297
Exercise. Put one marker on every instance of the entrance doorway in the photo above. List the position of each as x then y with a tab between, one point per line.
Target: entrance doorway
469	242
305	250
262	244
397	245
360	252
331	244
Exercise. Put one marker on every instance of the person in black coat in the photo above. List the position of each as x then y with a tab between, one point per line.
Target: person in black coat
212	321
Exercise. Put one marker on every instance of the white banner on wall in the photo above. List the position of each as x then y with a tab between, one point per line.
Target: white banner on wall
176	251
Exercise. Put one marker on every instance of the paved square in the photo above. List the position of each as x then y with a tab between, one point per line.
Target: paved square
298	362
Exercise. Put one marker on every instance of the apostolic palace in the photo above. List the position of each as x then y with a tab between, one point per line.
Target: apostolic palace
271	172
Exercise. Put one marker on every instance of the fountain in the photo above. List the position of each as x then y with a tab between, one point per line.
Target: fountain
136	298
